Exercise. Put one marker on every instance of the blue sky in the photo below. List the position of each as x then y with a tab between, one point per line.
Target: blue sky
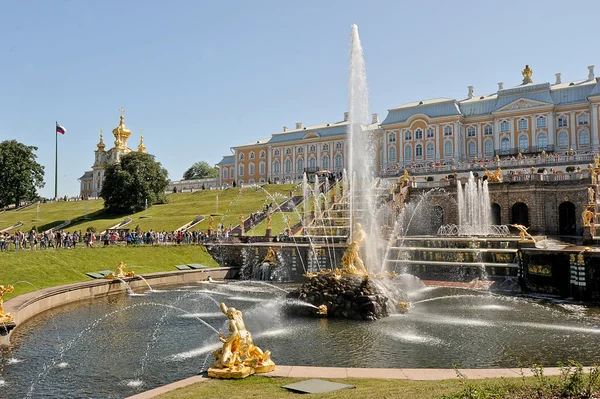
200	77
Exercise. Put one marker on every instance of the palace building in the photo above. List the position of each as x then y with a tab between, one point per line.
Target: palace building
91	181
525	120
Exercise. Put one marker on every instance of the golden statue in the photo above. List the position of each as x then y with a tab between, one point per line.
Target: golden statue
405	179
523	232
333	193
596	161
238	358
527	72
5	317
594	178
591	196
121	273
268	220
351	262
588	216
211	222
271	257
322	309
494	177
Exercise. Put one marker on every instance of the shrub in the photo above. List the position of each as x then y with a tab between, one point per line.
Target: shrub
570	168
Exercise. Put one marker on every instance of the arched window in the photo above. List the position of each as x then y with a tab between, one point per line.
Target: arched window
251	168
288	165
542	141
251	155
541	122
288	151
312	162
251	181
392	154
487	130
408	152
419	134
584	137
523	142
505	144
392	137
419	150
429	150
261	167
429	132
339	161
472	148
241	169
563	140
471	131
488	147
241	156
325	147
325	162
447	130
300	164
263	154
338	145
299	150
312	148
448	148
522	124
407	135
276	166
225	173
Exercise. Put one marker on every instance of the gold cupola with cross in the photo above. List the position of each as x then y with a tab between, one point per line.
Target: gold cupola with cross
121	132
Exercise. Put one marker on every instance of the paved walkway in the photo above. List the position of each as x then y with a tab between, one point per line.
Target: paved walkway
378	373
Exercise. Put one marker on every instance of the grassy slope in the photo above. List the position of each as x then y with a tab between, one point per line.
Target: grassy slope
181	209
50	268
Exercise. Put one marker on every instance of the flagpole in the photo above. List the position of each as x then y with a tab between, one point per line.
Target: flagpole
56	165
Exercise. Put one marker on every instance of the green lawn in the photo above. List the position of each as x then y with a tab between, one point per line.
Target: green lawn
181	209
48	268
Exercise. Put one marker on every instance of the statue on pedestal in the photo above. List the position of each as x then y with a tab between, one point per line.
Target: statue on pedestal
588	217
5	317
591	195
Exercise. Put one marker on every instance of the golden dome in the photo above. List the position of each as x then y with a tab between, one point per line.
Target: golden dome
122	131
142	147
101	145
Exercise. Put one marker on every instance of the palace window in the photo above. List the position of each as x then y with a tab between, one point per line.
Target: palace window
418	134
251	155
583	119
312	162
241	169
419	151
325	147
488	147
407	135
504	127
392	154
523	143
338	145
429	132
288	165
276	166
584	137
541	122
505	144
471	131
522	124
261	167
448	148
299	150
408	152
325	162
251	168
251	181
447	130
563	140
299	164
487	130
429	150
392	137
472	148
339	161
241	156
542	142
225	173
276	153
312	148
288	151
563	121
263	154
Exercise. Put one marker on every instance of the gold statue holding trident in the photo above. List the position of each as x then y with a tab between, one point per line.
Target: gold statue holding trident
5	317
239	357
523	232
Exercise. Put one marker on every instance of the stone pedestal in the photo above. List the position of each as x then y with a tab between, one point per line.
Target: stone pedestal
241	231
526	244
5	329
228	374
210	232
268	233
588	235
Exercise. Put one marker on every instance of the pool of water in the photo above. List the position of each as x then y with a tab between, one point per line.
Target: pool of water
117	346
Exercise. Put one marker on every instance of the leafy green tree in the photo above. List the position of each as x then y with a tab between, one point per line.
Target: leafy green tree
20	174
200	170
128	184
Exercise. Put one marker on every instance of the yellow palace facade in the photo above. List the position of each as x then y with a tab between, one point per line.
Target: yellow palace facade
527	119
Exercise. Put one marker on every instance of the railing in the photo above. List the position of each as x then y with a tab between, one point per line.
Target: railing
525	150
516	177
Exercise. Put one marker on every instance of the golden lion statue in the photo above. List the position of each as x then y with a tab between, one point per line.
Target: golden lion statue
494	177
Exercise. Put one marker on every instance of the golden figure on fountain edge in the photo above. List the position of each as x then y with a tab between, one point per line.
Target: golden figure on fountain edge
351	261
5	317
239	357
271	257
524	235
588	216
322	309
211	222
269	217
494	177
121	273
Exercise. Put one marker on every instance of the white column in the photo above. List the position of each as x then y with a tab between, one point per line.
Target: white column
594	125
269	163
496	134
514	143
573	128
384	159
437	142
551	130
456	137
331	154
479	138
318	155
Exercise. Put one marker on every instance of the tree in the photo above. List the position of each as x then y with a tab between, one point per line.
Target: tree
20	174
134	182
200	170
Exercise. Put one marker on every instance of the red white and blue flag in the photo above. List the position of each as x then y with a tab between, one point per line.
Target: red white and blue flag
60	129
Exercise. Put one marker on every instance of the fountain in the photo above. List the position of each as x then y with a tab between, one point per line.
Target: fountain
7	321
120	273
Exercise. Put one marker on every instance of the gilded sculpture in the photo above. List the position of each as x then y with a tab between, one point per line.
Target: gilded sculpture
239	357
5	317
494	177
271	257
405	179
211	222
322	309
591	195
120	273
588	216
351	262
524	235
269	220
527	72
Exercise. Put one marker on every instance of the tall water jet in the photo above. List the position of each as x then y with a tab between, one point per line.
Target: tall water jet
361	160
474	207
